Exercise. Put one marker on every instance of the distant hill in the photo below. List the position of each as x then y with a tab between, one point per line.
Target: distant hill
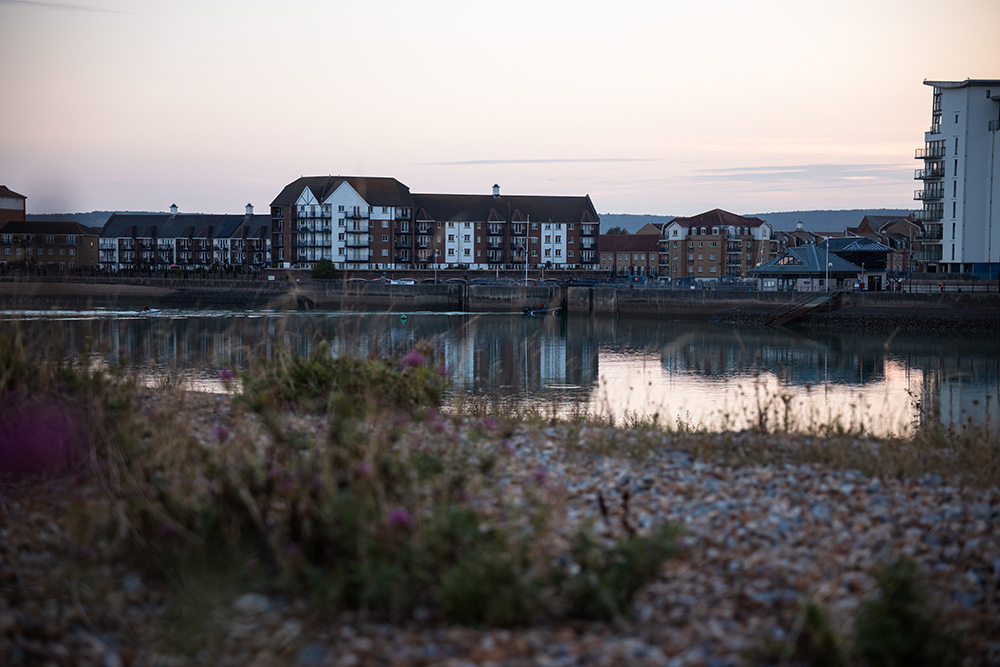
92	219
784	221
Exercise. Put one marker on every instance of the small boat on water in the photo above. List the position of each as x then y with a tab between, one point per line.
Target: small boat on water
541	312
149	311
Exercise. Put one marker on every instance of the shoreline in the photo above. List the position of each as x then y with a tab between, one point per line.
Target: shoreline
973	313
760	539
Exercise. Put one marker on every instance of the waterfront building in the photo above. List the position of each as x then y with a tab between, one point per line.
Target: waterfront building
185	241
48	246
714	244
961	179
377	224
630	254
12	205
806	268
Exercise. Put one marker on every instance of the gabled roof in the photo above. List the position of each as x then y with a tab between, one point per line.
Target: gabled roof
60	227
628	243
475	208
717	218
7	192
853	244
180	225
806	259
377	191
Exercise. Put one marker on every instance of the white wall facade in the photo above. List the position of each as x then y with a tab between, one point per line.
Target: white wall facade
969	125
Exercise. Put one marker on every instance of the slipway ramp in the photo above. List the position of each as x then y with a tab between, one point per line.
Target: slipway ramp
805	304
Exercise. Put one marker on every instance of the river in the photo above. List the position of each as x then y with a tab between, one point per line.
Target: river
686	374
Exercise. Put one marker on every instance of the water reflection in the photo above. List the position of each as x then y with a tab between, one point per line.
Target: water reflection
683	372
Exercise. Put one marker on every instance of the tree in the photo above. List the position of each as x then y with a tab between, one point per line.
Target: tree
617	230
324	270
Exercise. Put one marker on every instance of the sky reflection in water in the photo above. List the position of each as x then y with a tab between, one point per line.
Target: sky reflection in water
689	373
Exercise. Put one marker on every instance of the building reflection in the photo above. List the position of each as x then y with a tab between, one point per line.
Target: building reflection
694	373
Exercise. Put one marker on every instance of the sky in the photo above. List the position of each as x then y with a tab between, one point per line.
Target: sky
651	106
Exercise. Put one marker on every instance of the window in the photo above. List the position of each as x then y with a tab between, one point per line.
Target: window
340	237
18	250
468	224
385	238
340	209
570	253
953	208
712	257
451	238
701	244
714	244
701	269
712	269
534	225
548	252
675	244
954	188
548	239
674	234
558	239
558	252
466	252
385	209
451	252
956	118
385	224
6	251
385	252
467	238
700	257
956	145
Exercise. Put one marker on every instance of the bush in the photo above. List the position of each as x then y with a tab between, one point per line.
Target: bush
324	270
898	628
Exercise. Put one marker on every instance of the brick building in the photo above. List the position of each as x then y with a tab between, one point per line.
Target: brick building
54	246
630	254
715	244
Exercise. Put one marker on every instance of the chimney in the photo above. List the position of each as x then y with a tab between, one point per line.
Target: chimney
173	209
798	226
249	210
496	191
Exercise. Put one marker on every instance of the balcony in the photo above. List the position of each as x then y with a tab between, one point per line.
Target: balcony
935	213
359	227
928	253
424	228
356	242
403	243
355	256
355	215
495	230
588	230
928	194
932	231
929	153
923	174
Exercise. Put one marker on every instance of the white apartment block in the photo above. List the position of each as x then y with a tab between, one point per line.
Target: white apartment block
961	179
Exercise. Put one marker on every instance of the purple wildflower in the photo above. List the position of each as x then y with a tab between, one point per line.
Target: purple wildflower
226	374
222	433
168	529
363	469
540	475
83	551
442	370
399	518
414	358
490	423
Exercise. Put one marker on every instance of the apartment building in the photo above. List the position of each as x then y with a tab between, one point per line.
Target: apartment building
630	254
377	224
49	246
961	179
186	241
714	244
12	205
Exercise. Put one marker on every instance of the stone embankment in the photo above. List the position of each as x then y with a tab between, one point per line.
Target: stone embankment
974	313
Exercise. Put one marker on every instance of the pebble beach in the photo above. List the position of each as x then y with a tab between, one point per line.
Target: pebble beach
758	541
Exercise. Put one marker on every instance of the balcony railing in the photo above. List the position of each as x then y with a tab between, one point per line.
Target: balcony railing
929	214
929	153
932	232
929	193
928	253
923	174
